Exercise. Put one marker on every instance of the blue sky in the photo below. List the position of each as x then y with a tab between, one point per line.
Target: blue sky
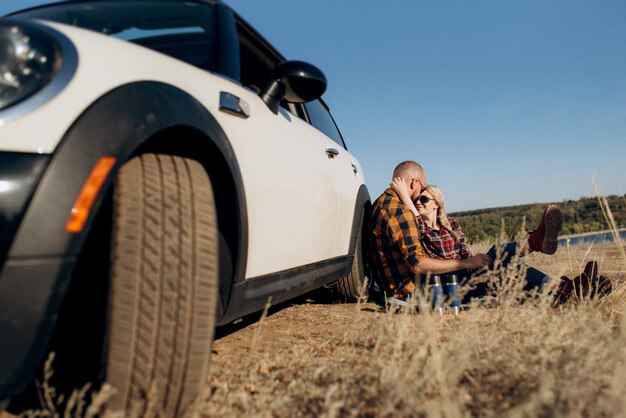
502	102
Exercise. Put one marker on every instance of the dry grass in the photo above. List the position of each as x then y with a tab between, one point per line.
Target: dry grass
516	359
80	403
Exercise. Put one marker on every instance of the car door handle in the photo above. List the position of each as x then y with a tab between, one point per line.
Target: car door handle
332	152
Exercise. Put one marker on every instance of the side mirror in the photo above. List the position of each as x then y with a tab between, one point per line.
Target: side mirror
294	81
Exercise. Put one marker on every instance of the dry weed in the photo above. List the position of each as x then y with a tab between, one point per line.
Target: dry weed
80	403
518	358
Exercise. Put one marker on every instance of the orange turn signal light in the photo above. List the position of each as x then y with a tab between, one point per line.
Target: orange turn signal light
88	193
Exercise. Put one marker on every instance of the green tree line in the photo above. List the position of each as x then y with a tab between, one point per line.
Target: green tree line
511	222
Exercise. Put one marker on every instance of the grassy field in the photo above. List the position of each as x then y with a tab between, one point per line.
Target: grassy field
519	357
513	359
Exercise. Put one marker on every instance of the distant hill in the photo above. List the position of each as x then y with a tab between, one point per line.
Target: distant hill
579	216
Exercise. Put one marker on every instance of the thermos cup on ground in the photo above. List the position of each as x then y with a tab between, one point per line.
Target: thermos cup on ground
451	289
436	293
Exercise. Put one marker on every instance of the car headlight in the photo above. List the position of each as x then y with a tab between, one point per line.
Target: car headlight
30	59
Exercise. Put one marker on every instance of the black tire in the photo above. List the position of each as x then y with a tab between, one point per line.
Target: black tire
352	287
163	286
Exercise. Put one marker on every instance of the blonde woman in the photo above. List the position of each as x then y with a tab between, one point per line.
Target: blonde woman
442	237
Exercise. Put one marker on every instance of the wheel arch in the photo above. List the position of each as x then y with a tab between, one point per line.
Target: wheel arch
129	120
362	205
351	284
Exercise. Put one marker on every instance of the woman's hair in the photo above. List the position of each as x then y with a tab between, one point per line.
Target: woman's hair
440	200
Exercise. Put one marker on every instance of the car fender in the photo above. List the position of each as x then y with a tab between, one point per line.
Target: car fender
361	214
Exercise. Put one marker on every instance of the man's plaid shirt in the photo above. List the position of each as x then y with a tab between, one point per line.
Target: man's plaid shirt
440	243
395	249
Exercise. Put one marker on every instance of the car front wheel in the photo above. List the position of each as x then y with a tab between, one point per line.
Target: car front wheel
164	277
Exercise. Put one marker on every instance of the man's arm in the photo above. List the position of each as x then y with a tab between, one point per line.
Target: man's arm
438	266
405	232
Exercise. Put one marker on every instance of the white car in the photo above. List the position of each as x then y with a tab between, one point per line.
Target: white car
163	171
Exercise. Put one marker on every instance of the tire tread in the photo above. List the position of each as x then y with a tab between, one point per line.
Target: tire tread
164	281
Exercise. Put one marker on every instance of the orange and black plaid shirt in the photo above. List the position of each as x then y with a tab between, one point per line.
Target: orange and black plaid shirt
395	248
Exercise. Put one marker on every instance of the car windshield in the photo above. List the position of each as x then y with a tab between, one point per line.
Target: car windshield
182	30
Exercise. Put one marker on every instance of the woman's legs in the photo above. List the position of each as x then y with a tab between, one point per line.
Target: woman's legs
504	253
535	278
543	239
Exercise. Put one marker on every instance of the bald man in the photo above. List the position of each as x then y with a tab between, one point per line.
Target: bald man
396	255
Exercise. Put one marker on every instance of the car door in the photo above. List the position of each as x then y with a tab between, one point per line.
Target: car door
290	194
347	173
287	172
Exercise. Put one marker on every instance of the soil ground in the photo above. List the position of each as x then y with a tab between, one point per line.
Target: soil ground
285	363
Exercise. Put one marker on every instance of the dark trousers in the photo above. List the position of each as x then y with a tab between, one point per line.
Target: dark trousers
534	278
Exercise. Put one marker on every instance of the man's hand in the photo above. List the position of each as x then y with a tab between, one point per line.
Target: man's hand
477	261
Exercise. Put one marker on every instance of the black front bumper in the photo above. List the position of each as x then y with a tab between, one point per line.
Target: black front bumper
19	174
30	297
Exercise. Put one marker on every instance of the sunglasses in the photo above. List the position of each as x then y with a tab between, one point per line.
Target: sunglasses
423	199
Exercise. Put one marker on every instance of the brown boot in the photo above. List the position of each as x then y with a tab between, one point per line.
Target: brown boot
588	285
545	238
